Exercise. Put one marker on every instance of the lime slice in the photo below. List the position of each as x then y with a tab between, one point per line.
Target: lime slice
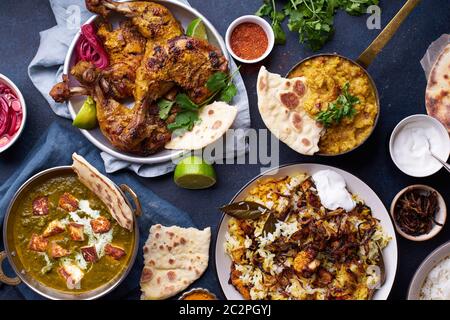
87	116
196	29
194	173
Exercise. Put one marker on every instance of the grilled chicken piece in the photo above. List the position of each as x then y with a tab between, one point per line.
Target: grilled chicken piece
306	263
125	47
185	61
170	58
137	130
61	92
238	283
153	20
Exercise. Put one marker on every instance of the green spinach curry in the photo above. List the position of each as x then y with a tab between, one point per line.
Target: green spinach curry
67	239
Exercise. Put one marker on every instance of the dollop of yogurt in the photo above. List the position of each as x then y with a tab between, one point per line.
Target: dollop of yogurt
412	145
332	190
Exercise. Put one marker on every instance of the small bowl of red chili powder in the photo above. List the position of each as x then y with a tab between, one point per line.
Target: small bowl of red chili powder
12	113
249	39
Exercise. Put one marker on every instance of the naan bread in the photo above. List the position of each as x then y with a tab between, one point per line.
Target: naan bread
105	189
437	95
174	257
280	103
215	120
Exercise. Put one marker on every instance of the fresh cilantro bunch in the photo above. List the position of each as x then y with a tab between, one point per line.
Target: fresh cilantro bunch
342	107
311	19
220	84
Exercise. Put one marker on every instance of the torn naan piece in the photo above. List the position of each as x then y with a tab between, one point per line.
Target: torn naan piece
437	95
105	189
215	119
280	103
174	257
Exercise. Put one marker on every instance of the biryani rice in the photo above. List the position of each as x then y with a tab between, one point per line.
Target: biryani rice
261	281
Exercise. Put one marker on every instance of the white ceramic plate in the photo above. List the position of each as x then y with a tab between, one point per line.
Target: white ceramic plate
184	14
354	185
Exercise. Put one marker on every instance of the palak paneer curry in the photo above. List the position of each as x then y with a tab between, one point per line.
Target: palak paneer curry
66	238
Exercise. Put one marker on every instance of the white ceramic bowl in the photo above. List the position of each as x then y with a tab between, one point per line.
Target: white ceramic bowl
252	19
443	152
16	90
441	215
425	268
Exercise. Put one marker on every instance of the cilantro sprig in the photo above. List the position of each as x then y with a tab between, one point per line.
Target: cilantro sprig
342	107
220	84
311	19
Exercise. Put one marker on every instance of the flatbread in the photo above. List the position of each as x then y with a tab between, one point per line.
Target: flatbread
280	103
215	120
437	95
105	189
174	257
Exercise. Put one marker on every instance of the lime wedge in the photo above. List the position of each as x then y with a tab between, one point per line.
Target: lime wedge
196	29
87	116
194	173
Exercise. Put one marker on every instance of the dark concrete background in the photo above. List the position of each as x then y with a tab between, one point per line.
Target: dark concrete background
396	71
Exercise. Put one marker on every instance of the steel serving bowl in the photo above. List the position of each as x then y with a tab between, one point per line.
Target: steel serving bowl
184	14
27	278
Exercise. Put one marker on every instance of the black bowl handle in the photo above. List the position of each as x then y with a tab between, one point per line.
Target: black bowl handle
3	277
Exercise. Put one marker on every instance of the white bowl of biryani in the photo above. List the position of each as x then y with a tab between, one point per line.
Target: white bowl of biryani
432	279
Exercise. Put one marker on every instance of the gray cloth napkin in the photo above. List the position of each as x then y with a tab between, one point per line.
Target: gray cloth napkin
46	69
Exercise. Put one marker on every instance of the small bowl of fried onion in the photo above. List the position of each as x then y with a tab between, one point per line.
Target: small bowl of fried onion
419	212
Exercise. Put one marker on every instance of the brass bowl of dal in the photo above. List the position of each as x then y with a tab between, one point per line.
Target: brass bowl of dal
329	72
326	75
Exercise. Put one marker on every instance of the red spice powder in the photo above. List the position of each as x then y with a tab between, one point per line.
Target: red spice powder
249	41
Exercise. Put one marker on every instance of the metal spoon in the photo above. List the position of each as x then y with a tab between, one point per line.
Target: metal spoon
445	164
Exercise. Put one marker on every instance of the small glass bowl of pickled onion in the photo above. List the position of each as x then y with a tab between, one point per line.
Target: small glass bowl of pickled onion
12	113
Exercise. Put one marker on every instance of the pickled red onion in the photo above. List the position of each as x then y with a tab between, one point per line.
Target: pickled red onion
89	47
10	114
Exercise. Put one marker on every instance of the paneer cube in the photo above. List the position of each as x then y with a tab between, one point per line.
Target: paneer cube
38	243
56	251
40	206
68	202
72	274
100	225
76	231
115	252
89	254
53	228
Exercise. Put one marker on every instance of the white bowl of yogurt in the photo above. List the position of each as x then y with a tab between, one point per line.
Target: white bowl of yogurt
411	142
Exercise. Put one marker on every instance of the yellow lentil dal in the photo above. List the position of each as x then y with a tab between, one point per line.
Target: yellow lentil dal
325	77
